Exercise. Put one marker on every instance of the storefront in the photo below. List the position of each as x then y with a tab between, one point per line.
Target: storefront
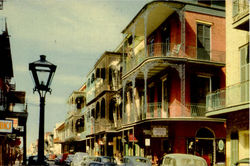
205	138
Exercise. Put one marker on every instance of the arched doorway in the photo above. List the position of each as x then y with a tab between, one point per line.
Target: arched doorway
205	145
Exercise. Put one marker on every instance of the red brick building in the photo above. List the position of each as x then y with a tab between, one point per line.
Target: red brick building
174	54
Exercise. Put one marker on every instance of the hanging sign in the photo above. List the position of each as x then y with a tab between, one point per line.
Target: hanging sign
6	126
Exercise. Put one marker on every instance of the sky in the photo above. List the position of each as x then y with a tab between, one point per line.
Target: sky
72	34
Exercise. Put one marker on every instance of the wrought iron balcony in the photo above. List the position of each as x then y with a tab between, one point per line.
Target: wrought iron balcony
241	14
160	110
231	96
174	50
103	125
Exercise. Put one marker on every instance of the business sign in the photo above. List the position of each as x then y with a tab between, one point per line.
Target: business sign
6	126
160	132
147	142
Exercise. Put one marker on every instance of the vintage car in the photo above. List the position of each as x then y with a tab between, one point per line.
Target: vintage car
177	159
135	161
98	160
77	159
243	162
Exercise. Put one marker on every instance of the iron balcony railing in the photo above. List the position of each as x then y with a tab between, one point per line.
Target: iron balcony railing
159	110
157	50
230	96
103	125
240	9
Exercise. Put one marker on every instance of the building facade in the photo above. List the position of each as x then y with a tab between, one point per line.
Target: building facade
148	97
232	102
174	54
13	109
103	84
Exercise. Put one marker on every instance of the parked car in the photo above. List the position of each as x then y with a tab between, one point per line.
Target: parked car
69	159
57	159
135	161
88	160
52	157
33	161
77	159
243	162
98	160
106	160
177	159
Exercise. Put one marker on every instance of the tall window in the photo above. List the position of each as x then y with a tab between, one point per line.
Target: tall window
203	41
151	47
166	41
103	108
244	72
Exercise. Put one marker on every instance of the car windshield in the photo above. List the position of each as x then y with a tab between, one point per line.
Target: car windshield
108	160
70	156
140	160
181	161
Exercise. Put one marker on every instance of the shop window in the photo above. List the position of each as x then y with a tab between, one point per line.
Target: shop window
203	41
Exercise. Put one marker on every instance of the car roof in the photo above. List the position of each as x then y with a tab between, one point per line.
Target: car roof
245	160
181	155
134	157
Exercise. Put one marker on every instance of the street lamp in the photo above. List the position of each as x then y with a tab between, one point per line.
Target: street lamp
42	72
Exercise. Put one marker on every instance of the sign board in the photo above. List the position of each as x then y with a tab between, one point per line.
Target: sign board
160	132
6	126
147	142
14	121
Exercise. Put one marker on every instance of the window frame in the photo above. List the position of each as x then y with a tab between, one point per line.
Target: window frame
203	42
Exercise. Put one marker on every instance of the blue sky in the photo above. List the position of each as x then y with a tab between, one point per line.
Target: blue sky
72	34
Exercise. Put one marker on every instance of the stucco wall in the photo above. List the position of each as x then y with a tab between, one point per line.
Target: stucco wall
234	39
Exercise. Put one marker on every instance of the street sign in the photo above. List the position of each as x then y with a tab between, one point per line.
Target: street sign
6	126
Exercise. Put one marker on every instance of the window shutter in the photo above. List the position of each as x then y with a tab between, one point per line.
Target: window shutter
234	147
235	7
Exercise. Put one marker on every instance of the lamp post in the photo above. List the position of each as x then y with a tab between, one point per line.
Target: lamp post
42	72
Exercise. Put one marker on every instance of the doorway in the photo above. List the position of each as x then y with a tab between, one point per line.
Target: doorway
205	145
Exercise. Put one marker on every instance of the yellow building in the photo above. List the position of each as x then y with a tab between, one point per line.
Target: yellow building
232	102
